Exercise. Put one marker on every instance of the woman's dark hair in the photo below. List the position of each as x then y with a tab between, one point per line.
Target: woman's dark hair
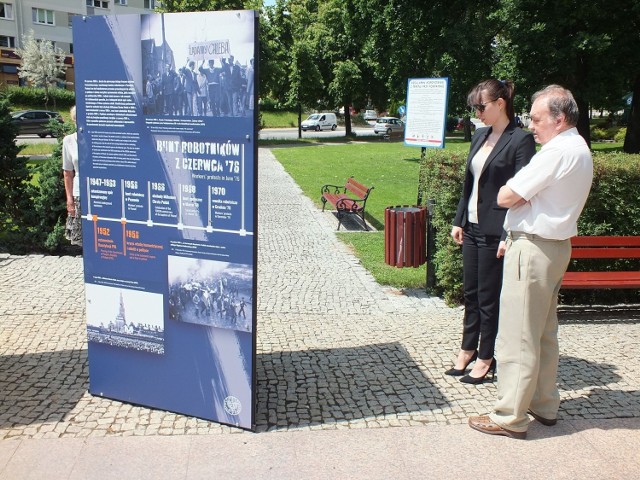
495	89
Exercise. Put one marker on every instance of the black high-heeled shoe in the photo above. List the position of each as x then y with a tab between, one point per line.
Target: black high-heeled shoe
479	380
454	372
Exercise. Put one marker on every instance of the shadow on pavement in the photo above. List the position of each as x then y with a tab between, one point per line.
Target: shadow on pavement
594	393
41	387
313	387
353	223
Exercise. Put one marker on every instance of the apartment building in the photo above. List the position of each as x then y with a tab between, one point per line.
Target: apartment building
51	20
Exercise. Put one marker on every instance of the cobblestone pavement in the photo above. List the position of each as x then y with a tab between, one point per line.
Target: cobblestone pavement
335	349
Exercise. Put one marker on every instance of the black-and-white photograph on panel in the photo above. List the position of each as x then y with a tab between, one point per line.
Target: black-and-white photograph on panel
209	73
125	318
209	292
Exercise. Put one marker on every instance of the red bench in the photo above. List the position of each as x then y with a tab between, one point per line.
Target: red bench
605	247
350	198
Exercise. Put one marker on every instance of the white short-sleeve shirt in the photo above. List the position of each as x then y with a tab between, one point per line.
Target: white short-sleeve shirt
556	185
70	159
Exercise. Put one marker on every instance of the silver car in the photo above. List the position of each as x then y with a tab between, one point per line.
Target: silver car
370	115
388	126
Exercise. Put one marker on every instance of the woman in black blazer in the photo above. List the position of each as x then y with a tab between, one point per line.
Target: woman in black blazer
497	152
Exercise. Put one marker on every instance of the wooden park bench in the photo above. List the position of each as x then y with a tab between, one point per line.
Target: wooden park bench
350	198
603	247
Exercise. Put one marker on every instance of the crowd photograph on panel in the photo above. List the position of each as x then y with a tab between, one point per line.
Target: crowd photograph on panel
211	293
212	80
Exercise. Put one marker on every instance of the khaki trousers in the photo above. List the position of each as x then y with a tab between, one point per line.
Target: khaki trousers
527	344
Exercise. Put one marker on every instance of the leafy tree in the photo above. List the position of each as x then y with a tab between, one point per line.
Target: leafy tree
206	5
343	54
586	45
277	53
306	84
14	175
42	64
454	39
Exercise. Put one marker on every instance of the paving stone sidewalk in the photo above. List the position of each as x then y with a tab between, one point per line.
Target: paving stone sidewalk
335	349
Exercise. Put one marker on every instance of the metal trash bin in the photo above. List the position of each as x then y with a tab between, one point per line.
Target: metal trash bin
405	229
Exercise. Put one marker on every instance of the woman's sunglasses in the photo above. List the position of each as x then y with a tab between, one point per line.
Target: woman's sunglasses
481	106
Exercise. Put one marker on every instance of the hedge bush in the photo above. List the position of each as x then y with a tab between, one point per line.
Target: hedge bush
613	208
603	132
59	98
619	137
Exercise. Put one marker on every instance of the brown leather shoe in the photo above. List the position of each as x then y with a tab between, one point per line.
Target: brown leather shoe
549	422
484	424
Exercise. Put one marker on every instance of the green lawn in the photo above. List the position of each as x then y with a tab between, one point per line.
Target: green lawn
37	149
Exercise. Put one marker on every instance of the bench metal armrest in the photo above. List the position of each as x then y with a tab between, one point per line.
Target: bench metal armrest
328	189
356	204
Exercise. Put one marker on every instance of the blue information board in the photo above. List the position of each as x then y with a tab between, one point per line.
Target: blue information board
167	140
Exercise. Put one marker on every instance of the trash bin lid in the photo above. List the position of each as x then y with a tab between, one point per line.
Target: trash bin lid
405	209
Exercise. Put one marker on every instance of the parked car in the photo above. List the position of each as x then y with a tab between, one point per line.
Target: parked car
370	115
388	125
35	121
320	121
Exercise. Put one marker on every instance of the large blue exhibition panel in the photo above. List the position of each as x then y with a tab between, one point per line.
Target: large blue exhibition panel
167	137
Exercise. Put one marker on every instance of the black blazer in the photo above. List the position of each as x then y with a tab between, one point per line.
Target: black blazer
514	149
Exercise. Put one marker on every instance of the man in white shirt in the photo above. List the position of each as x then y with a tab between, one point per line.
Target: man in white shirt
545	199
73	228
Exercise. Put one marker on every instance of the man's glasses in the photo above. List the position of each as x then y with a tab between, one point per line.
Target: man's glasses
481	106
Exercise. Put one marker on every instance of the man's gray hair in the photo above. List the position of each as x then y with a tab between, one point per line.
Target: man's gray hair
560	102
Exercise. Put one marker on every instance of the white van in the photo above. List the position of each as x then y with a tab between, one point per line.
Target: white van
320	121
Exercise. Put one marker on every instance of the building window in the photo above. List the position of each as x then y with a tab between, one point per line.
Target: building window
121	2
8	68
150	4
42	16
6	11
98	3
9	42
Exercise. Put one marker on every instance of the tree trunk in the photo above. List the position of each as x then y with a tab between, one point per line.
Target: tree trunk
467	129
632	139
299	120
347	118
583	120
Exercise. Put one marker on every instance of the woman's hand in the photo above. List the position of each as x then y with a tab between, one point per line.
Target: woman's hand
502	248
71	207
457	234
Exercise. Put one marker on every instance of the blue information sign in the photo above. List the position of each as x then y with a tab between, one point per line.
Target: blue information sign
167	139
